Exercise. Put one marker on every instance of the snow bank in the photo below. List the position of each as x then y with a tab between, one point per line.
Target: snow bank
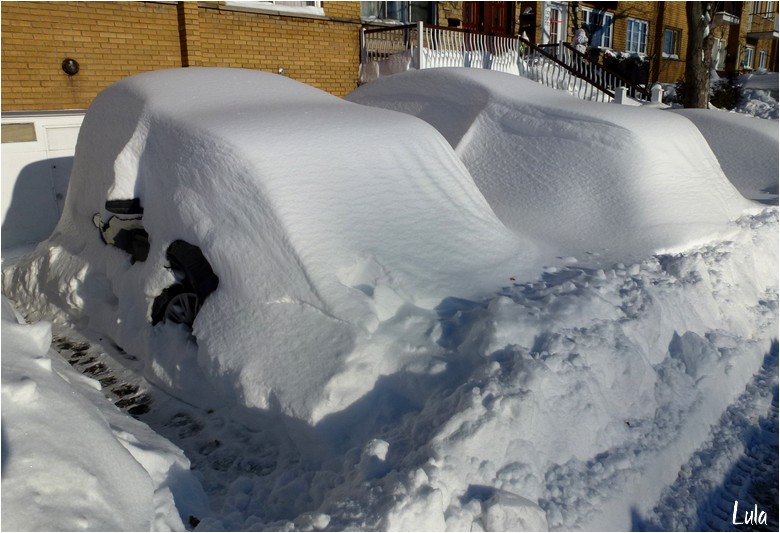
746	148
321	219
71	460
589	178
567	403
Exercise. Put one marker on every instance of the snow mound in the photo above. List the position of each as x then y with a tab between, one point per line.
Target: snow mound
601	179
321	219
746	147
71	460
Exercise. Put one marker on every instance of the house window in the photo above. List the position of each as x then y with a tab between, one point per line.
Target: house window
719	54
747	61
598	24
636	39
762	58
280	7
406	12
671	43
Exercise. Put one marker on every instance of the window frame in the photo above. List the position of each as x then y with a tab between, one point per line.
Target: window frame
406	9
719	60
605	27
278	7
676	42
640	35
750	51
763	59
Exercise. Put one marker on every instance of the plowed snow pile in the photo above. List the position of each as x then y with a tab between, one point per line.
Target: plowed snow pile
412	363
605	180
71	460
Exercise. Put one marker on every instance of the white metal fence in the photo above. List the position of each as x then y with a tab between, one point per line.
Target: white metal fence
393	50
386	51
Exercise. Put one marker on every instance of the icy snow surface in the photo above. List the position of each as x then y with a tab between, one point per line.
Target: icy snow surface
71	460
400	378
607	180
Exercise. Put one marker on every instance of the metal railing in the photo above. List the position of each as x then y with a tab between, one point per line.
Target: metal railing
385	51
561	66
763	22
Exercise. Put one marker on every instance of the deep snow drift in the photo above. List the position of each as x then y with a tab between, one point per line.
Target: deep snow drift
71	460
608	180
567	398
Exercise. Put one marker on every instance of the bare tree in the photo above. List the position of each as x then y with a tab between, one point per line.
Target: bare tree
698	56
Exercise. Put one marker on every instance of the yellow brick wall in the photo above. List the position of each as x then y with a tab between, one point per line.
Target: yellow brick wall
110	40
342	10
673	70
321	53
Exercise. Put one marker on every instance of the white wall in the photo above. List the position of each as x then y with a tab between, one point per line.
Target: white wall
35	175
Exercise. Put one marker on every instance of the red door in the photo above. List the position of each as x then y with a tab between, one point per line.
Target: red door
493	18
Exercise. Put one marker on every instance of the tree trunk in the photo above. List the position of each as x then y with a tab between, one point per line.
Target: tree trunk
698	56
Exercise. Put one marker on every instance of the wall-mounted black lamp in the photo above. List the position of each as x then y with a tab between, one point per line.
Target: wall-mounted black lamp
70	66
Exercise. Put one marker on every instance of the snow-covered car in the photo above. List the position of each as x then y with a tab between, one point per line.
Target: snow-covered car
609	181
248	237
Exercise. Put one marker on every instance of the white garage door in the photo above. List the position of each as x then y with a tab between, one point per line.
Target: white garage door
37	156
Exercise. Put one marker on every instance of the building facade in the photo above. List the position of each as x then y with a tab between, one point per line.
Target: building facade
317	42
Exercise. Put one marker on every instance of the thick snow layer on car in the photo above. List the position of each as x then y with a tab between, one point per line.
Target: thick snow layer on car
321	219
746	148
71	460
611	180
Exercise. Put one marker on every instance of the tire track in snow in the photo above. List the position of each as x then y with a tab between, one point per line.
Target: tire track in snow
738	463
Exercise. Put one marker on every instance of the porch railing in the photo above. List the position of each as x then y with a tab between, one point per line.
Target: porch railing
562	66
385	51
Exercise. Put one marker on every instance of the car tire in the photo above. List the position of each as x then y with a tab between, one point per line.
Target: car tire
181	302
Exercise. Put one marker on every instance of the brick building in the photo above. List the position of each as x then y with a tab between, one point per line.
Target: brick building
317	44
